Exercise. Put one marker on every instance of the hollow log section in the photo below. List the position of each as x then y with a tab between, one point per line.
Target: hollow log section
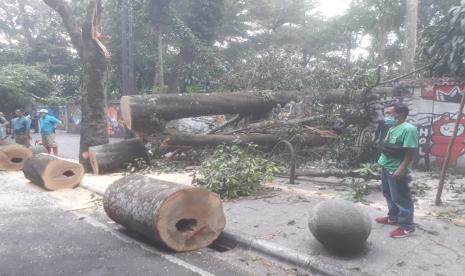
12	157
148	113
113	157
182	218
53	173
193	140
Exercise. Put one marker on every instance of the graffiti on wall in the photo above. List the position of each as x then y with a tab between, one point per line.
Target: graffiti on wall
442	131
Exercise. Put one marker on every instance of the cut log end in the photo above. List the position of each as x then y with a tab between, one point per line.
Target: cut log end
13	157
190	219
53	173
182	218
126	111
62	175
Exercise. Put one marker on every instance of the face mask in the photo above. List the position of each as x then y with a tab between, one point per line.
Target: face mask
390	121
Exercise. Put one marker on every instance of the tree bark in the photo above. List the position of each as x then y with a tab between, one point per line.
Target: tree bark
93	55
182	218
193	140
148	113
13	157
53	173
127	47
410	44
112	157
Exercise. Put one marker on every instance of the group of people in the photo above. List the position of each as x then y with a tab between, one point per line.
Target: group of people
20	128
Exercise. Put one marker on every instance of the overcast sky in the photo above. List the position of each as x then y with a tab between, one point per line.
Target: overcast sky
333	7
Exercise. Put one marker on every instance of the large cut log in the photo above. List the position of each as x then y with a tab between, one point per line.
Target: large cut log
12	157
109	158
182	218
53	173
214	140
148	113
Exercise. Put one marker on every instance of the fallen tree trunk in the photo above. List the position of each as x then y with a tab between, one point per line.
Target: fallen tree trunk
331	172
148	113
12	157
182	218
53	173
113	157
214	140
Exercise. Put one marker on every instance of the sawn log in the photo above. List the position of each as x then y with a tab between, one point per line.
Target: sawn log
12	157
182	218
53	173
148	113
109	158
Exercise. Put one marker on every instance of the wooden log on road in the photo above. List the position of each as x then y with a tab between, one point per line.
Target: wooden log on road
112	157
182	218
12	157
53	173
148	113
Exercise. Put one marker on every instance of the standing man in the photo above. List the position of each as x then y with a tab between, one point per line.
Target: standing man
21	129
47	125
398	152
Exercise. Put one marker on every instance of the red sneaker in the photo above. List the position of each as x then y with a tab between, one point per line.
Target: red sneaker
401	232
385	220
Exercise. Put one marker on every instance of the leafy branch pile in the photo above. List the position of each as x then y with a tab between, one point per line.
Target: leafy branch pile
234	171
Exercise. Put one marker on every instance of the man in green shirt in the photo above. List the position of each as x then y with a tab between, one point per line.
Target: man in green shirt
398	152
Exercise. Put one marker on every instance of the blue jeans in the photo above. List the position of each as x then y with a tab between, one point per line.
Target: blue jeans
399	198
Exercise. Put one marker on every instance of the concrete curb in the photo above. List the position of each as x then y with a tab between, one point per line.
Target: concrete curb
284	254
273	250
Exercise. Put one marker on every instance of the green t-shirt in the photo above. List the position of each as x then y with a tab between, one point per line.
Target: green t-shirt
405	135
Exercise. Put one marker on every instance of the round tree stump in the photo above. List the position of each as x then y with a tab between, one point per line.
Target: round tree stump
339	225
53	173
182	218
12	157
110	158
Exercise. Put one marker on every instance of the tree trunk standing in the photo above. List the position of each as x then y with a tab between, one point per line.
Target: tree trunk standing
161	73
124	47
381	43
93	55
131	77
410	44
127	41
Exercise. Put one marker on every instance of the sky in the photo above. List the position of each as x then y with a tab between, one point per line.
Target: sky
331	8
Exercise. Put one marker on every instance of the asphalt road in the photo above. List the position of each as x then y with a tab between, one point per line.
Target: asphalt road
50	233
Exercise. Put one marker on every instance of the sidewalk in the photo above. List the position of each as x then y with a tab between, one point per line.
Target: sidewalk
278	215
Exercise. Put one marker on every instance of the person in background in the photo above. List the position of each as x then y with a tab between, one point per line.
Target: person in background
3	126
47	124
21	129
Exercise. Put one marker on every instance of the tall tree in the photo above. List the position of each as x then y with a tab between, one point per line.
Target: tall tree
93	56
410	44
127	41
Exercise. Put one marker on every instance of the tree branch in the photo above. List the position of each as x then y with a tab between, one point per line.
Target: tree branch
69	21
